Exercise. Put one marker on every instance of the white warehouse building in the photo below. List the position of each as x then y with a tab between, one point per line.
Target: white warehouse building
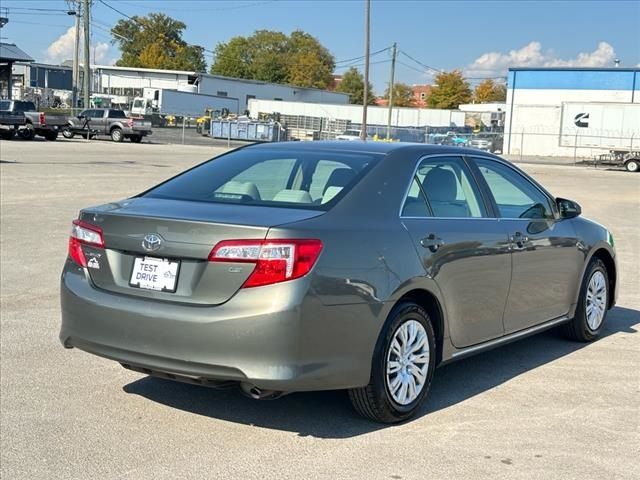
400	116
572	111
131	82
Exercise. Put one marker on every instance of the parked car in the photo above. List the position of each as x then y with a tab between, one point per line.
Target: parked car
107	121
452	138
22	118
489	142
325	265
349	135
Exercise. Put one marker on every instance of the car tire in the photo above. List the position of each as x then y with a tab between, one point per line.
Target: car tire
116	135
383	400
28	132
67	133
51	136
593	303
632	165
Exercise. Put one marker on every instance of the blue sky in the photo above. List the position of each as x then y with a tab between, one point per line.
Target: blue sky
481	38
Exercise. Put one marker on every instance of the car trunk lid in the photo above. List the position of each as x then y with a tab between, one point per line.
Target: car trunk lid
158	232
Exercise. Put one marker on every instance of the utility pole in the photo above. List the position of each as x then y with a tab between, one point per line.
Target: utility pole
365	97
76	56
87	64
391	81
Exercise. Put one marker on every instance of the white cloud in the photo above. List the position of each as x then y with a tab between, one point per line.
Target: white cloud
532	55
61	49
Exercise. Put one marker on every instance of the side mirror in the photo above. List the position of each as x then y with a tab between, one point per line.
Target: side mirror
568	208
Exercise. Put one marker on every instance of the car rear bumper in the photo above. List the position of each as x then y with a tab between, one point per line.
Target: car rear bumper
265	336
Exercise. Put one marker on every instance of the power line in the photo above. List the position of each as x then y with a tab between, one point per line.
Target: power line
361	64
411	67
420	63
41	23
362	56
37	9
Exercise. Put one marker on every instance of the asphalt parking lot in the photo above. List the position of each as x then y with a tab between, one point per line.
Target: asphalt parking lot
542	407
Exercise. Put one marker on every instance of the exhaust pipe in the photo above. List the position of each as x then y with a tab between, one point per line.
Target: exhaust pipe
258	393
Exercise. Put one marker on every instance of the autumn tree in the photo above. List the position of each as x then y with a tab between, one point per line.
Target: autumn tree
402	95
489	91
450	90
353	83
298	59
309	63
155	41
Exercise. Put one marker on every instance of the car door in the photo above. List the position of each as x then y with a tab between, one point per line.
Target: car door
100	120
461	246
546	259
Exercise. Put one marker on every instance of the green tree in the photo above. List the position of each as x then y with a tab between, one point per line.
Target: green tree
402	95
353	83
450	90
489	91
155	41
298	59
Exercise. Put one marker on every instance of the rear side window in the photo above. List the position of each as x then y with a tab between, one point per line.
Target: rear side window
24	107
449	189
415	204
270	177
117	114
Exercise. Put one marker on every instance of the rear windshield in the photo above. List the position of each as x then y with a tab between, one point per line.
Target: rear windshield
270	177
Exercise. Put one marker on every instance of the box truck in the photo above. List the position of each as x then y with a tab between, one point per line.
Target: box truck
162	106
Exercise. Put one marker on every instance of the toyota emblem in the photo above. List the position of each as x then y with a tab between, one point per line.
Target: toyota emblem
151	242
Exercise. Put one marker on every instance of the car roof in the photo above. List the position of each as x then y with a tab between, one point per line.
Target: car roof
364	146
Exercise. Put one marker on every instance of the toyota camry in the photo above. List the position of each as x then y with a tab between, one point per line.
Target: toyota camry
332	265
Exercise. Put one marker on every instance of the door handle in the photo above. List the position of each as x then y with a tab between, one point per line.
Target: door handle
432	242
519	239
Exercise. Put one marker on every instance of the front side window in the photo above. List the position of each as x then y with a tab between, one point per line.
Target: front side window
515	196
449	188
270	177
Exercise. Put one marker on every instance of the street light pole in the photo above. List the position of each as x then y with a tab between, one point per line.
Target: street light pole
365	97
76	54
87	53
390	99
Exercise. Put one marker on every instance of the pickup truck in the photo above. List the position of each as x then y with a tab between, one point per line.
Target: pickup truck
107	121
22	118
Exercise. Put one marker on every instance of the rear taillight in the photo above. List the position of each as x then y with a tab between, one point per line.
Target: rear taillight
275	260
42	119
83	233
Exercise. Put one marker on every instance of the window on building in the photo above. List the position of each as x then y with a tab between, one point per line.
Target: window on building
278	99
221	93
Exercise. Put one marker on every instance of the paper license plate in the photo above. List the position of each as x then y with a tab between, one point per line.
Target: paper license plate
155	274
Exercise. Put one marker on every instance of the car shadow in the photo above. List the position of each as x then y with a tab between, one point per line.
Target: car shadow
329	414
